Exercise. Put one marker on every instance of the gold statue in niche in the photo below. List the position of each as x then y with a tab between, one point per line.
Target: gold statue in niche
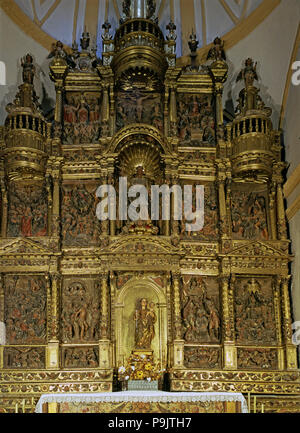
145	319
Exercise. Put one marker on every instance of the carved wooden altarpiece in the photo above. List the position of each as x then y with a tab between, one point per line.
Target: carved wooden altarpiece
70	284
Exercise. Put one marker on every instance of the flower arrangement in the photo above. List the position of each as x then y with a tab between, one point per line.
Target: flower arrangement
140	367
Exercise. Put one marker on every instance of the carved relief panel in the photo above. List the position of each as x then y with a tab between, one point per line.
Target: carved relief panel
80	226
25	309
249	212
210	228
254	311
27	210
257	358
139	105
80	357
24	357
81	118
202	357
80	317
196	120
201	310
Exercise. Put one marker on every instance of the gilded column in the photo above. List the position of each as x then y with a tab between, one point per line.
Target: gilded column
2	324
291	350
219	103
166	223
178	342
55	229
272	205
230	352
174	208
112	222
52	358
104	342
278	318
50	202
112	115
4	208
173	112
59	101
222	199
105	112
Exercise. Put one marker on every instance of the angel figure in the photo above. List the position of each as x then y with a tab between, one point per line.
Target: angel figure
217	52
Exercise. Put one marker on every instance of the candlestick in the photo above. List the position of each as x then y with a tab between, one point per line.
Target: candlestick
249	402
255	404
262	408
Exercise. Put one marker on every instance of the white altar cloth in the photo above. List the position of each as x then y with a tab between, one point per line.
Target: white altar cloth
142	396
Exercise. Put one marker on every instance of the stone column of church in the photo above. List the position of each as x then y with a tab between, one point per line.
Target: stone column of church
2	324
104	342
291	350
281	217
228	334
178	342
53	297
4	197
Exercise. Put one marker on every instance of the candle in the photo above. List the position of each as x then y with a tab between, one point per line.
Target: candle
23	406
17	408
249	401
262	408
255	404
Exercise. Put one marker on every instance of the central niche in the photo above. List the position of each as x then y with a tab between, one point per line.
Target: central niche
141	321
140	163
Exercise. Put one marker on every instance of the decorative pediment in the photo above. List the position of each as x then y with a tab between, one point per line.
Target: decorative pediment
257	248
24	246
142	245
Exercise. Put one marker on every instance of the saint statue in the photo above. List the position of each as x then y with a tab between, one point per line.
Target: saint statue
145	319
28	69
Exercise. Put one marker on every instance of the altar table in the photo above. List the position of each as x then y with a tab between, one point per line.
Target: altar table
143	402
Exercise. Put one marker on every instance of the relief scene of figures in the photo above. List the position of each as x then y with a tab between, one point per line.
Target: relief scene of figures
81	118
79	225
210	228
249	216
80	311
27	211
254	312
139	106
196	120
200	313
25	309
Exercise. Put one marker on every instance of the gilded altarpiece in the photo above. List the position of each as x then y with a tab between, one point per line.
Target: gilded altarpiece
78	296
